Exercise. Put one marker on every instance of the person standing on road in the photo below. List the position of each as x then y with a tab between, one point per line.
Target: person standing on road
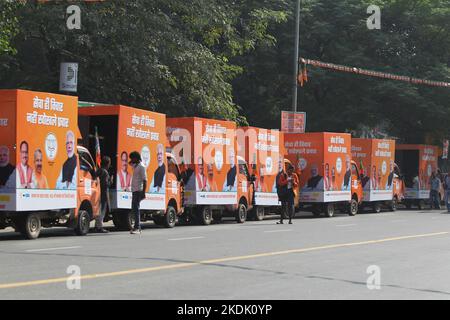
447	191
138	187
435	183
105	183
289	181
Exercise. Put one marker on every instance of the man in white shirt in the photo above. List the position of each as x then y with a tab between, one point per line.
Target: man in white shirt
24	173
123	176
138	188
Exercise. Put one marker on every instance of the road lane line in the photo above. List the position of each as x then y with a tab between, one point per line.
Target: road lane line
273	231
214	261
191	238
346	225
52	249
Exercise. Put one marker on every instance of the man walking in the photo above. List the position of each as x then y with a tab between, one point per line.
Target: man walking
138	187
105	182
434	193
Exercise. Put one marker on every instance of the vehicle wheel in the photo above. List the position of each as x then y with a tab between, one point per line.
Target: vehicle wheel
421	205
205	216
353	208
259	213
170	218
329	210
394	204
30	226
376	207
241	213
83	222
316	210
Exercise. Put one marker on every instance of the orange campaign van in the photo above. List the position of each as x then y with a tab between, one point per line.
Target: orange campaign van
261	150
217	181
417	163
375	158
122	130
45	178
329	178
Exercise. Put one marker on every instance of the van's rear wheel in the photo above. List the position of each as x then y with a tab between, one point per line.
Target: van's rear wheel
259	214
123	221
30	226
83	223
376	207
170	218
329	210
205	216
241	213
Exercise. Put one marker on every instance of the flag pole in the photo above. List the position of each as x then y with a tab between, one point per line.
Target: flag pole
296	57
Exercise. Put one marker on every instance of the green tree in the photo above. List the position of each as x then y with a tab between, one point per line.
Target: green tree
414	40
8	25
165	55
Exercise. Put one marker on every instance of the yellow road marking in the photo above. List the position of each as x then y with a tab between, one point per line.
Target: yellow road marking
213	261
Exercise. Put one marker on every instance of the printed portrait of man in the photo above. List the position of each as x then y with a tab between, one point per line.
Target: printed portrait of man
39	179
6	169
158	184
24	172
123	176
67	179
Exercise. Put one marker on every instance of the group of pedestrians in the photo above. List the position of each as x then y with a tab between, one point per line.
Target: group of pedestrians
287	183
437	178
138	187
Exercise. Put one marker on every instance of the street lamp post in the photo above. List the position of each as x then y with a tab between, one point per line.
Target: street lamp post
296	57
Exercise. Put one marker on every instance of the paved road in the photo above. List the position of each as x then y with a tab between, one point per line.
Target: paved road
312	259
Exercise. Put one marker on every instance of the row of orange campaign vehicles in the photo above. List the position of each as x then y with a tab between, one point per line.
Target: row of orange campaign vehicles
198	169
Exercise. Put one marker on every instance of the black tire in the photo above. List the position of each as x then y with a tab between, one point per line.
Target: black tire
204	215
376	207
393	205
353	208
30	226
259	213
241	213
329	210
123	221
170	218
83	222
